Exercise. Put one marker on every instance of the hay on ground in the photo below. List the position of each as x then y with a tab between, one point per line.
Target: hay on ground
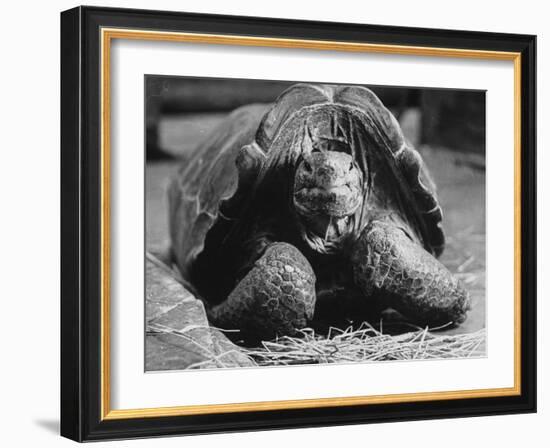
366	344
363	344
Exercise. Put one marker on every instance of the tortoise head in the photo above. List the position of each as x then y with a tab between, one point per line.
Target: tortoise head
327	191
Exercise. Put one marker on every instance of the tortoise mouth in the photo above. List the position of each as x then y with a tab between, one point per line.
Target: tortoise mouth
326	215
336	201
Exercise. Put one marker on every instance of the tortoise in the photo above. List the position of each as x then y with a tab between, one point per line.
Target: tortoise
289	208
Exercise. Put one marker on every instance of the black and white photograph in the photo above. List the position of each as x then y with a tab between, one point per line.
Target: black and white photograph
278	224
275	224
291	223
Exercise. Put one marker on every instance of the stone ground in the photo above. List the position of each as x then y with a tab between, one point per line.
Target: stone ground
461	190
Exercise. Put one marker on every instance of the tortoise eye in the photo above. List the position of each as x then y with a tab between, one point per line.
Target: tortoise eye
315	149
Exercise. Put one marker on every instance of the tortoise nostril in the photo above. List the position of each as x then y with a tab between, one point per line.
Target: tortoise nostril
307	165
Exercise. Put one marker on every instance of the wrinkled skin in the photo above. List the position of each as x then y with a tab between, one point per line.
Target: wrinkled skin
327	191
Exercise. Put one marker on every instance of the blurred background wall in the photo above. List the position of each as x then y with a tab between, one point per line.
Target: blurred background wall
180	110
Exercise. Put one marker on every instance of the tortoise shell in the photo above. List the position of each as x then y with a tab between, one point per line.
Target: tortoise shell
208	187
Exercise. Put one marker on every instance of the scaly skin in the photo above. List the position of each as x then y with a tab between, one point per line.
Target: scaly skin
389	265
275	298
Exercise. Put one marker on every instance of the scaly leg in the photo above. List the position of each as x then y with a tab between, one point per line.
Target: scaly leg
389	265
275	298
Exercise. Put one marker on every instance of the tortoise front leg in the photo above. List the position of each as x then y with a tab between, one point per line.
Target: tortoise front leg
275	298
389	265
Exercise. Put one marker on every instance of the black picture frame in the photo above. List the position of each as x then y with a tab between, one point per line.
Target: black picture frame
81	413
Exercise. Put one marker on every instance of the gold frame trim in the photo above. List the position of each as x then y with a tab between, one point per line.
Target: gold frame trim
107	35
